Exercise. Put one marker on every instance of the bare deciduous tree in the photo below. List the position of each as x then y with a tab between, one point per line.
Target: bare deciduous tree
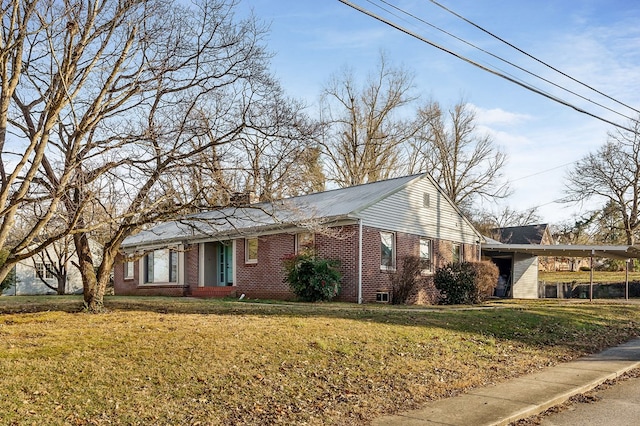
487	221
364	124
276	156
465	163
110	106
612	175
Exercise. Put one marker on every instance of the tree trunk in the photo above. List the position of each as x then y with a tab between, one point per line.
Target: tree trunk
92	297
62	283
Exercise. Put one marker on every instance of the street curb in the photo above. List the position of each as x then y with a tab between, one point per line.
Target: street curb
524	396
560	399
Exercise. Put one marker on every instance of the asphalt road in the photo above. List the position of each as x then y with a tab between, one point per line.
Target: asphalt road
617	405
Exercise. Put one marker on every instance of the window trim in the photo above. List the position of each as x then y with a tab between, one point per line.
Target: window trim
173	267
247	259
460	250
391	267
429	241
305	247
46	271
129	275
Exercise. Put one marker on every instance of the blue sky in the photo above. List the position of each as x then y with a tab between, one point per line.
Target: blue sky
595	41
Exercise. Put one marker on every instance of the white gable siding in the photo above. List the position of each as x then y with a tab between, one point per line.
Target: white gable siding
525	276
404	211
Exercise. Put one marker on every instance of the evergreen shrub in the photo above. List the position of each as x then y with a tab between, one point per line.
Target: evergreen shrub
311	278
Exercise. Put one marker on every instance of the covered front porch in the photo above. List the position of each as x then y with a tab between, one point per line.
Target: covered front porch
216	272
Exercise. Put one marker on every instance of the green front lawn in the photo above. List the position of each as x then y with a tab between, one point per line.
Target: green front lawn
185	361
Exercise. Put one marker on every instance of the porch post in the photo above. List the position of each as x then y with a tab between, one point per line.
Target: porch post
201	265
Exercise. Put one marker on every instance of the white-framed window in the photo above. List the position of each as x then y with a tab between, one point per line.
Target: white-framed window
128	270
457	253
161	266
305	241
44	270
426	253
251	250
387	250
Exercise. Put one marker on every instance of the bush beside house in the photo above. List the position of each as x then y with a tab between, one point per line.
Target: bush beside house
312	278
407	279
466	282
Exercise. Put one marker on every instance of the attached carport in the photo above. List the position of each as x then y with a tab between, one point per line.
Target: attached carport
523	260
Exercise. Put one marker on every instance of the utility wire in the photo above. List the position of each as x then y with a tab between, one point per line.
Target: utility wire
504	60
544	171
482	67
531	56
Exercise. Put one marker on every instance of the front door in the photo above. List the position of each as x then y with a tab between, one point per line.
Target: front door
225	264
216	264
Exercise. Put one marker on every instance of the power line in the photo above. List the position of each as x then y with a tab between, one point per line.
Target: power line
531	56
544	171
505	60
482	67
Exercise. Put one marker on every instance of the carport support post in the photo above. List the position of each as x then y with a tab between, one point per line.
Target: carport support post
591	277
626	279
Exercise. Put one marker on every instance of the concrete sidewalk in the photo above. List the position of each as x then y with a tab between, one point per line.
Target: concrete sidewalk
523	396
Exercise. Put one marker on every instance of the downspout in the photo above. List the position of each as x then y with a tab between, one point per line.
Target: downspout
359	261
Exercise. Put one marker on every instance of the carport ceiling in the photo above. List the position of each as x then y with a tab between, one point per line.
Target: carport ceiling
614	252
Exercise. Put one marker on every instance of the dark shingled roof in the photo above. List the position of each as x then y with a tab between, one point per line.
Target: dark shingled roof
529	234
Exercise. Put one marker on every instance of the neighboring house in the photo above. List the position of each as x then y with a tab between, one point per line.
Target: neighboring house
540	235
528	234
235	251
53	266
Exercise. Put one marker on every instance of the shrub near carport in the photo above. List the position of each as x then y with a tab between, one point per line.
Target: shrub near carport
466	283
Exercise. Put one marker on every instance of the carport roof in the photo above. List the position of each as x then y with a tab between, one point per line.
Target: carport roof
565	250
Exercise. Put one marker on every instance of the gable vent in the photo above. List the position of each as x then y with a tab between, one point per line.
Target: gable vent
425	200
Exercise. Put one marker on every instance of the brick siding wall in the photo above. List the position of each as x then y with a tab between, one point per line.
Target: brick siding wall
343	247
264	279
191	261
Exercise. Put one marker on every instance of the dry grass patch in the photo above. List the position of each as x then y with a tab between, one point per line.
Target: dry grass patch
212	362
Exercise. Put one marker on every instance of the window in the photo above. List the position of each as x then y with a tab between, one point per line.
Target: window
251	250
128	270
44	270
305	241
387	250
425	255
425	200
161	266
457	253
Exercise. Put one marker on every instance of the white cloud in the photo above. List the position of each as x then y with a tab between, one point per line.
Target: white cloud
498	116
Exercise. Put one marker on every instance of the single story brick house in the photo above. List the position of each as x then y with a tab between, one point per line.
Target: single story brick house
239	250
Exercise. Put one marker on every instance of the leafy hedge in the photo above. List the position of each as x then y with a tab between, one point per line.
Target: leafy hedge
312	278
466	282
